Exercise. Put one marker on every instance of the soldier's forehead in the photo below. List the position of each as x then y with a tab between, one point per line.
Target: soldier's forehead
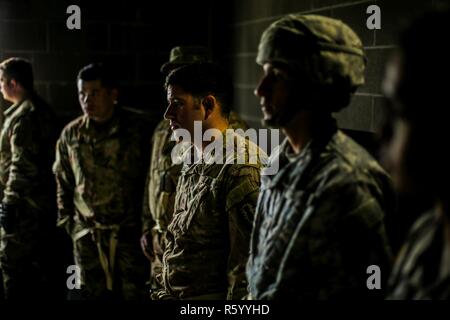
174	91
90	84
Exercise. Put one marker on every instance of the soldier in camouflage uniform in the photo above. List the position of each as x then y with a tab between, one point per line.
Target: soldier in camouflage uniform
207	239
417	86
27	210
163	173
100	170
320	220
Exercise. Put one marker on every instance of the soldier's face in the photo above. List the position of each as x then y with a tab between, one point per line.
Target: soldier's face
402	150
97	102
273	92
6	88
397	153
182	110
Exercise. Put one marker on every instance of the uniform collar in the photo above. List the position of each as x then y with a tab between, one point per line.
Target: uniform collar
13	108
290	164
100	131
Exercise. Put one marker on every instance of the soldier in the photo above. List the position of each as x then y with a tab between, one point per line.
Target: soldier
320	220
207	239
27	210
417	87
100	170
163	173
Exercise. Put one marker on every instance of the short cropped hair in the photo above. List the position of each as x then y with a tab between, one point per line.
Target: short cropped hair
20	70
98	71
202	79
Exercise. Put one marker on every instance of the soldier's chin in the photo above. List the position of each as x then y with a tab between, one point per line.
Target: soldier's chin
271	121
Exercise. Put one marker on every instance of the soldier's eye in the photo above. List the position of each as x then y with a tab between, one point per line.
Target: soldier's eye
177	104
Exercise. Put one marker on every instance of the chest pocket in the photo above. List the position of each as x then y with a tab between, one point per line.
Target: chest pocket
196	205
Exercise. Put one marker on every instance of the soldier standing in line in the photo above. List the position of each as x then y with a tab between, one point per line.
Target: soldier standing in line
27	210
100	169
417	86
207	239
163	173
320	220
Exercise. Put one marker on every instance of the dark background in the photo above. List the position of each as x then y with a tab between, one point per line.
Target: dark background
135	36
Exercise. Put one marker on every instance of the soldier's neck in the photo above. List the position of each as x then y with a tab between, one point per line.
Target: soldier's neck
305	125
19	96
220	125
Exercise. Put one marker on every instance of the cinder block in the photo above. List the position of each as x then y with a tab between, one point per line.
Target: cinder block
15	35
245	70
358	115
64	99
356	17
15	10
149	97
245	102
395	15
148	67
376	64
58	66
123	65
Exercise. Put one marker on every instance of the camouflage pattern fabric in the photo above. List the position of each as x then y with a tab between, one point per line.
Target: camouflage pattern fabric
325	49
319	222
100	172
160	190
207	239
26	154
422	271
182	55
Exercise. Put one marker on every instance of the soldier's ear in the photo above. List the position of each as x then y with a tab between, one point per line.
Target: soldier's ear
209	103
13	83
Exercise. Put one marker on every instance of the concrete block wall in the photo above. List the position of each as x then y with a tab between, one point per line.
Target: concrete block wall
134	36
251	17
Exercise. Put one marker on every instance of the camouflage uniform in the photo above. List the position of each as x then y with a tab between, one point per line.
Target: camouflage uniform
319	222
100	172
161	185
207	239
26	155
422	270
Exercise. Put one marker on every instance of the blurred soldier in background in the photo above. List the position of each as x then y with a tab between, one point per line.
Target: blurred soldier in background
27	210
100	169
320	220
417	86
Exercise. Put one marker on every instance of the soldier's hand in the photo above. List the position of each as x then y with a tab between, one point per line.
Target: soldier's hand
146	245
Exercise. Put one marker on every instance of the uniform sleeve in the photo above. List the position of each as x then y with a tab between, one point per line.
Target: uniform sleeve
65	183
242	196
24	171
147	218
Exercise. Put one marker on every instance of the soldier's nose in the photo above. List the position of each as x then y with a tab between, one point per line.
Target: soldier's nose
259	90
168	115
